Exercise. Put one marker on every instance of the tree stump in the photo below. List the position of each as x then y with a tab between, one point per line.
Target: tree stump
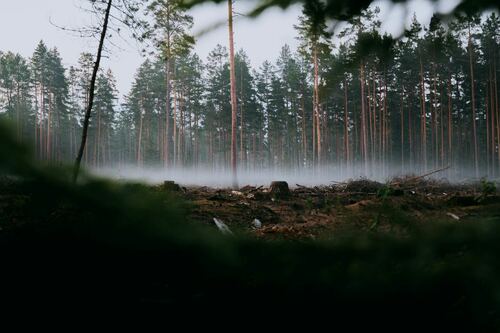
170	185
279	190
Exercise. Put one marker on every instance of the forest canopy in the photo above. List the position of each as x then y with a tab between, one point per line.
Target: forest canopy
369	103
347	9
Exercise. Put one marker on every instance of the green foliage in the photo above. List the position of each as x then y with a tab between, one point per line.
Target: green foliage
275	120
309	203
385	191
347	9
170	30
488	188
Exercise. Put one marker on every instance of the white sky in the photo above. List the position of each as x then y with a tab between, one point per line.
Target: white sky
23	23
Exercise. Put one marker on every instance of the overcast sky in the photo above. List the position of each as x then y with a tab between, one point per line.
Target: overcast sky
25	22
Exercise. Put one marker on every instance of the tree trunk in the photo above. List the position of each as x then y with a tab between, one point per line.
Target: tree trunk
167	113
363	143
423	118
242	150
98	137
49	138
139	137
450	123
346	127
174	119
492	121
402	133
18	115
316	106
473	106
304	133
497	111
234	101
88	111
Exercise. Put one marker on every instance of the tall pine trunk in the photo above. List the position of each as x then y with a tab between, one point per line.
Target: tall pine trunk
363	143
346	127
234	101
167	113
423	118
316	106
473	106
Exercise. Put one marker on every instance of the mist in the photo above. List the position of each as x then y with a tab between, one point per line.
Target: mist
320	176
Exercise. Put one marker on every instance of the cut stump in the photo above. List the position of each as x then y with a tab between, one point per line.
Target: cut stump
279	190
170	185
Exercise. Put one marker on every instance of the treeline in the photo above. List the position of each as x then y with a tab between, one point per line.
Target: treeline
46	102
367	102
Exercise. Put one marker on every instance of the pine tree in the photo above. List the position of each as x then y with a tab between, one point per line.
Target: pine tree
171	38
40	78
315	41
15	87
218	111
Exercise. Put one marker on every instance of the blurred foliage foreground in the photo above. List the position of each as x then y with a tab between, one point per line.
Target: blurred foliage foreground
101	246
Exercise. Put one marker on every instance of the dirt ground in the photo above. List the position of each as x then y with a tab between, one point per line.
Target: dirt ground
397	207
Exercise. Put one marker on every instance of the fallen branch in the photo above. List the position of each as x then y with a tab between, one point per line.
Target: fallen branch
412	179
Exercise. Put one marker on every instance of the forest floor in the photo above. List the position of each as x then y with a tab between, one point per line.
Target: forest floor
412	248
397	207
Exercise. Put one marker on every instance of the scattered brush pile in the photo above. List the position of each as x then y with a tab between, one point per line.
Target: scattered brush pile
396	207
362	185
428	186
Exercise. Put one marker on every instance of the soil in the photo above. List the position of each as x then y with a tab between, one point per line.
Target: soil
322	212
398	207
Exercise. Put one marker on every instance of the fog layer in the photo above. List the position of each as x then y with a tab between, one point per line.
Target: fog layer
205	176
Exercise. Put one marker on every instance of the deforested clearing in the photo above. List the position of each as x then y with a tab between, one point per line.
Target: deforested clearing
326	161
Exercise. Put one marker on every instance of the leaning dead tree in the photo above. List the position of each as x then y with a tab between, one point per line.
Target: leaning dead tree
115	14
88	110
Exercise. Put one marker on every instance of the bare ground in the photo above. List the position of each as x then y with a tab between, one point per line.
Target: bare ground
397	207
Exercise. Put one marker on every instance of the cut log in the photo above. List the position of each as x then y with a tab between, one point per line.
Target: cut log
279	190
